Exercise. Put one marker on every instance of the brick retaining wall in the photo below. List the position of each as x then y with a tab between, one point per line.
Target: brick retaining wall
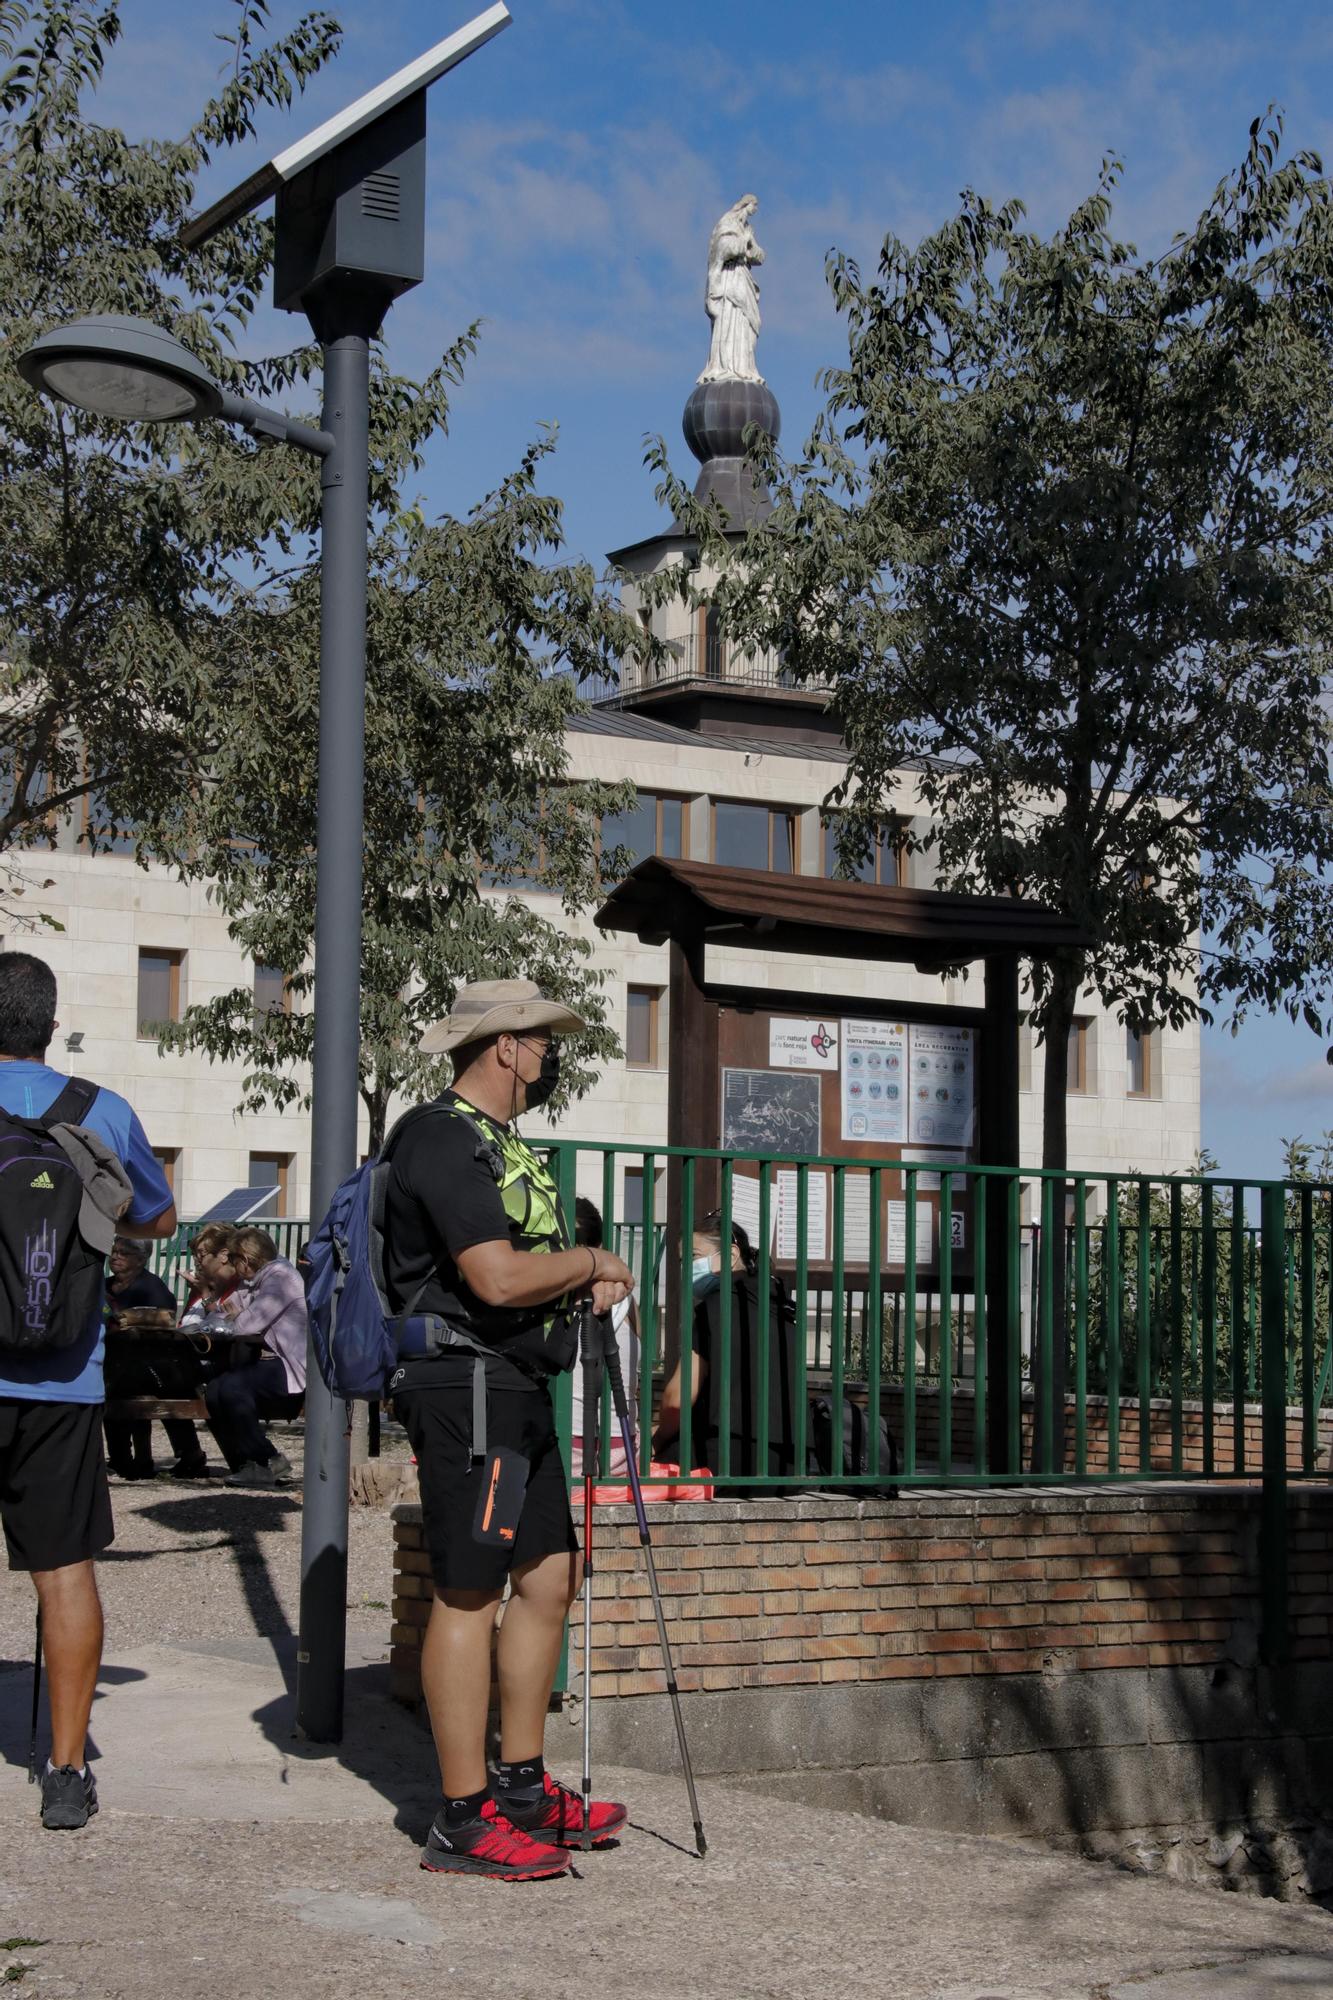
822	1590
1080	1667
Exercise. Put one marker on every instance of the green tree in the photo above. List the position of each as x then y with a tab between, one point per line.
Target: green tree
1059	546
475	648
159	602
119	544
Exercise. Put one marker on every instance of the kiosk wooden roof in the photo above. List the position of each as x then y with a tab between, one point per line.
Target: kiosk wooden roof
812	915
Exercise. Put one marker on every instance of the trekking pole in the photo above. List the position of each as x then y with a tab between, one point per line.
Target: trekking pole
592	1427
36	1700
612	1356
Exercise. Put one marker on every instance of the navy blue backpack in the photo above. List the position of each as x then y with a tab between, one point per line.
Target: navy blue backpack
358	1338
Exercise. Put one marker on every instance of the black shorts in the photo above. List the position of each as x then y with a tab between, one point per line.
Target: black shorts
455	1489
53	1493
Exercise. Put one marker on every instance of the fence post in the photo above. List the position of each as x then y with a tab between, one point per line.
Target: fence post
1274	1638
999	1147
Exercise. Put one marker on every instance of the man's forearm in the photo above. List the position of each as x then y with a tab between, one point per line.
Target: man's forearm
503	1276
161	1225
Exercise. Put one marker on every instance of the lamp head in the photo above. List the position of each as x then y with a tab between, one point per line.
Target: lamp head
122	368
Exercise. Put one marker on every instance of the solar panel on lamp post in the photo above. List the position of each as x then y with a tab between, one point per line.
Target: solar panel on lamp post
349	238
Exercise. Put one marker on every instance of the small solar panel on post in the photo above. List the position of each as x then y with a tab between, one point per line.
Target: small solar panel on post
241	1205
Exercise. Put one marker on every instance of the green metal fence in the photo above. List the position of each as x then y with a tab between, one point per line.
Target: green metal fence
1165	1311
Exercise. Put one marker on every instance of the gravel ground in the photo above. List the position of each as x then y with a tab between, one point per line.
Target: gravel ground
230	1859
206	1561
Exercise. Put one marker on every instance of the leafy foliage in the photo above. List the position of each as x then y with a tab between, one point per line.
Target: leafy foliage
119	544
1059	546
159	602
465	762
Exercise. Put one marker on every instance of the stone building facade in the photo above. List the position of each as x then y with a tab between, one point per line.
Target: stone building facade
130	931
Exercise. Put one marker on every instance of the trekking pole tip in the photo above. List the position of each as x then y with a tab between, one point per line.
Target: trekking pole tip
699	1840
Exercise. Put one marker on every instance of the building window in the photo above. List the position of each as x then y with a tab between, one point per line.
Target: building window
159	990
748	836
168	1158
272	1170
101	830
642	1027
713	646
654	824
271	992
1140	1063
1078	1075
632	1215
884	862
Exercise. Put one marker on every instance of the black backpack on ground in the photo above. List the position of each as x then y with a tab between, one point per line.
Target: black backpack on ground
50	1278
855	1440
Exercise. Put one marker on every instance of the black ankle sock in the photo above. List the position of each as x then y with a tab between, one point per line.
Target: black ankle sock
457	1812
521	1780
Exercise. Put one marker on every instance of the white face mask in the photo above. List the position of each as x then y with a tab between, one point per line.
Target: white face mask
706	1279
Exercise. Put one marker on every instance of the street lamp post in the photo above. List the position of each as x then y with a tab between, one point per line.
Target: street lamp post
349	238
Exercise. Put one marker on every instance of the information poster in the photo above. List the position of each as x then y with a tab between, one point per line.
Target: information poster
895	1249
856	1219
745	1205
874	1081
770	1111
930	1183
803	1044
958	1229
816	1219
942	1085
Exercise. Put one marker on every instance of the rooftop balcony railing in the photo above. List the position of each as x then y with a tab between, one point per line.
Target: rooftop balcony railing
691	662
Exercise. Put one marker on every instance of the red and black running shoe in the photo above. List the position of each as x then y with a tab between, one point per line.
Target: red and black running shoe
490	1845
556	1814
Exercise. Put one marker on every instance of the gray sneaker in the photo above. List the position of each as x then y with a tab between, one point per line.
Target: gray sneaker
278	1472
69	1797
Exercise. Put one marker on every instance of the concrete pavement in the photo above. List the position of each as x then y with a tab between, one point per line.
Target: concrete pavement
230	1860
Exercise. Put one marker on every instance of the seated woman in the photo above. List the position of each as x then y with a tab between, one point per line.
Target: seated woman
148	1368
754	1322
268	1312
213	1277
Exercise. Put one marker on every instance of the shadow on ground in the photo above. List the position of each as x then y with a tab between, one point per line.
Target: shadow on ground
16	1711
382	1745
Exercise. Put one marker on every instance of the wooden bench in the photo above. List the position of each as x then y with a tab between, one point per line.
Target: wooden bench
135	1408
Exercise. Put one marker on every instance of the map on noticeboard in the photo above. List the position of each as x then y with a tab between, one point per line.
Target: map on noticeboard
770	1111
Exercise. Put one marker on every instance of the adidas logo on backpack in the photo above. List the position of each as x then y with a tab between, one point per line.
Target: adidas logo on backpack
43	1181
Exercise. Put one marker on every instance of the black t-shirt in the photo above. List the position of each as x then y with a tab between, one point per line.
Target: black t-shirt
746	1333
454	1182
145	1291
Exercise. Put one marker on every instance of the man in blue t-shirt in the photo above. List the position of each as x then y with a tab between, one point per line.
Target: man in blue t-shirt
54	1503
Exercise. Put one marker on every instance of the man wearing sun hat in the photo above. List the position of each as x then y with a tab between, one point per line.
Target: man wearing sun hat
476	1238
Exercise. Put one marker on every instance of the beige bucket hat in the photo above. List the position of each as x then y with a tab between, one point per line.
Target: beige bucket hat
494	1006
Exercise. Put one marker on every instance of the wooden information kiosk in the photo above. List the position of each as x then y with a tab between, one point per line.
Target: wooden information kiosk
795	1074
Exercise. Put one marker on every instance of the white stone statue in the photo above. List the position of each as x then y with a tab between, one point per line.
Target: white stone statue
731	299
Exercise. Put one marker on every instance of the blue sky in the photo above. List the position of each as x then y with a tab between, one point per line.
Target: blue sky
579	161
